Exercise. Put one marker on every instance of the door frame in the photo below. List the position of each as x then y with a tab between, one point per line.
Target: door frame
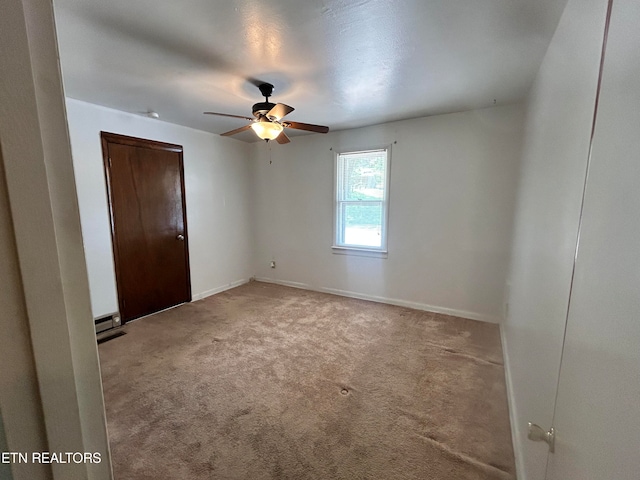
106	138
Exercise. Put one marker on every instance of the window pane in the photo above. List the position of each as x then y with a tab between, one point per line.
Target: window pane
362	224
363	175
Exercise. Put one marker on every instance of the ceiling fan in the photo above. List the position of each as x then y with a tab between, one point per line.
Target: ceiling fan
268	123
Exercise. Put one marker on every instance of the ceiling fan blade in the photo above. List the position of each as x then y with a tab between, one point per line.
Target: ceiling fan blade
306	126
237	130
280	111
228	115
282	138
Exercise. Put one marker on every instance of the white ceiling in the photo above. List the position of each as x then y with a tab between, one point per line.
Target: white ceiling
341	63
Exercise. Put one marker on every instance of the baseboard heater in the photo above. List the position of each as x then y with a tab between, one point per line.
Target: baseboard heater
108	327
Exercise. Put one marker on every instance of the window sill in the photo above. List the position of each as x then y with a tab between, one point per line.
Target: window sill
361	252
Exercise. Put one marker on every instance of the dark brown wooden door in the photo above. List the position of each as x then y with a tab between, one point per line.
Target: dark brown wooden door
145	181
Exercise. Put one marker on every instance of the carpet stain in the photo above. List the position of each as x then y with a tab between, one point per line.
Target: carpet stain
270	382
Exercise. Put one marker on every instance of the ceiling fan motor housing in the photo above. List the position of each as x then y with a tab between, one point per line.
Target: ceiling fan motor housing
262	108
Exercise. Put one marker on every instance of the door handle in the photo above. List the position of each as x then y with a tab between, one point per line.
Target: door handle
537	434
180	237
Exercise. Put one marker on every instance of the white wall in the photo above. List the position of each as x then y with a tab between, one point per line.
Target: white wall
556	149
453	185
218	196
50	389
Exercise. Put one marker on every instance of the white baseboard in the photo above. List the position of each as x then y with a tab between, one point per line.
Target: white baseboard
390	301
213	291
515	428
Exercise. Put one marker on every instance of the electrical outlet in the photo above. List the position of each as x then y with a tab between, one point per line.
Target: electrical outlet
273	264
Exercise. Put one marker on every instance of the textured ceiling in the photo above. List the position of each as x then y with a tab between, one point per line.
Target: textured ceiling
340	63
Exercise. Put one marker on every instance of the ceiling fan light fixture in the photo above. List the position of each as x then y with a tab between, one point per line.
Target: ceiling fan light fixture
267	130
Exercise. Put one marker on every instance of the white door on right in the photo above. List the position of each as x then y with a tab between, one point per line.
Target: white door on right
597	417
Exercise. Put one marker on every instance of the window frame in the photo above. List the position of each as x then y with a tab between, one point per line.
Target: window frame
361	250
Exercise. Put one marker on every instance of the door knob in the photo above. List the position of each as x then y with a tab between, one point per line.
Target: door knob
537	434
180	237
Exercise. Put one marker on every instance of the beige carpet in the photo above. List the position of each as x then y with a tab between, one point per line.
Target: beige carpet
270	382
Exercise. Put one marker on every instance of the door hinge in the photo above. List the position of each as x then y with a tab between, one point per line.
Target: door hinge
109	162
537	434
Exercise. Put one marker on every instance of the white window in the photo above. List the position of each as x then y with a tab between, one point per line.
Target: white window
362	199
